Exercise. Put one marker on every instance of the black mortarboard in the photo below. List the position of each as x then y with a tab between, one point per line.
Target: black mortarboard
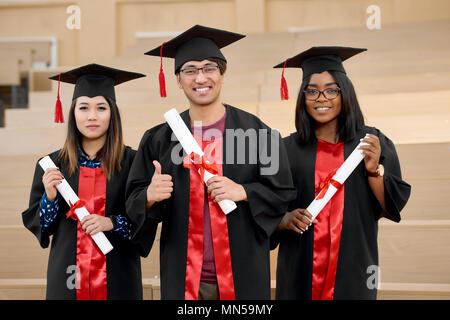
92	80
96	80
197	43
318	60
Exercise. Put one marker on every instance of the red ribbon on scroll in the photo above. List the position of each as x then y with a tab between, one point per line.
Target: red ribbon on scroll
71	213
324	185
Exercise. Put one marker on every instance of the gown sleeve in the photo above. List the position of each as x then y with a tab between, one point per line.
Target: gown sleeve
48	211
268	198
144	223
31	217
397	191
122	227
277	235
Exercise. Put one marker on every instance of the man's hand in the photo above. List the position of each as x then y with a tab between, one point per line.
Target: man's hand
160	188
221	188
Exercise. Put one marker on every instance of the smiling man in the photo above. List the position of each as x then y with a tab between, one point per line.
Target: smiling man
206	254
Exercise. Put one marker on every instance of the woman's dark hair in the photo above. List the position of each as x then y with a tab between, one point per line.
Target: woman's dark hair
350	119
111	152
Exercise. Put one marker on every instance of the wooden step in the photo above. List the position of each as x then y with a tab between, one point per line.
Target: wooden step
413	291
423	166
383	84
44	140
366	65
418	160
29	260
275	42
372	73
23	289
399	37
399	123
390	36
403	129
428	201
18	169
151	65
16	141
150	264
406	128
23	118
424	160
47	99
392	49
148	115
383	104
414	251
148	94
14	200
405	103
34	289
131	116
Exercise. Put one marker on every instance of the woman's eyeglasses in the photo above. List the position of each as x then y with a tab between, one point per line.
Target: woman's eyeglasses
314	94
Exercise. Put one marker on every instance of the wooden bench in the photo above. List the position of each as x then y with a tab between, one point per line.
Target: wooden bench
34	289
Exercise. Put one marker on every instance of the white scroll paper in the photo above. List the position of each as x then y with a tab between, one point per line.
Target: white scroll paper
341	175
69	195
190	145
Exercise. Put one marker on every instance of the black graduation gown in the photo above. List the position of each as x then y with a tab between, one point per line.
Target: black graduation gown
358	246
123	266
249	226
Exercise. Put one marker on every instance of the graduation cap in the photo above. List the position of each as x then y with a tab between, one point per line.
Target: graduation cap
317	60
197	43
92	80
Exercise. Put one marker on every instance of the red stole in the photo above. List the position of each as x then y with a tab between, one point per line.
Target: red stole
91	262
327	232
219	229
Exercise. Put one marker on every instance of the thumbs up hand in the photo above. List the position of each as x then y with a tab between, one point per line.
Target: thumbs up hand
161	186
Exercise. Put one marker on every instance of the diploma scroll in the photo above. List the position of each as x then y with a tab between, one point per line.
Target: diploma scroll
189	145
341	175
71	198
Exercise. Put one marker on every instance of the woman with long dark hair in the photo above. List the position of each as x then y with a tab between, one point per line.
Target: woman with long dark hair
95	162
336	255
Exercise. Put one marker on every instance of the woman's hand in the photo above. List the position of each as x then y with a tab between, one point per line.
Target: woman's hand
371	152
51	178
297	220
94	223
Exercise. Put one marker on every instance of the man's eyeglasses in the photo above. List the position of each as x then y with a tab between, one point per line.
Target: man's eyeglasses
193	72
314	94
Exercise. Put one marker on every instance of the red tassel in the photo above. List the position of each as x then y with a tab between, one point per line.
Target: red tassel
59	118
162	79
162	84
58	112
284	88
